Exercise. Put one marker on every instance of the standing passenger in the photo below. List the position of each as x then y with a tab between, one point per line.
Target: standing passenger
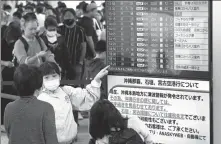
90	11
75	41
29	120
64	98
30	49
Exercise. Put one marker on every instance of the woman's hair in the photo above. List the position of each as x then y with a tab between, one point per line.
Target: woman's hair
48	68
27	79
30	17
104	116
50	21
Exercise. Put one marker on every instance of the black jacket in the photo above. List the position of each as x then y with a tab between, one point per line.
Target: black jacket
61	55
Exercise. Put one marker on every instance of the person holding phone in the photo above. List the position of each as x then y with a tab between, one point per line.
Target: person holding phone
31	49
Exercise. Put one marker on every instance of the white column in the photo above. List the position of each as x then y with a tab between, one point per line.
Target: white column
216	72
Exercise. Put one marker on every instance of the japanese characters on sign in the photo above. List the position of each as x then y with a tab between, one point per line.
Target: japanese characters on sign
158	37
175	111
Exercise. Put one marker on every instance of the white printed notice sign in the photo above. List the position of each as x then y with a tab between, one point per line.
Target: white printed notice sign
175	111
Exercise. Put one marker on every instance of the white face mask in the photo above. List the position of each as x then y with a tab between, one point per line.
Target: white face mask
52	36
51	85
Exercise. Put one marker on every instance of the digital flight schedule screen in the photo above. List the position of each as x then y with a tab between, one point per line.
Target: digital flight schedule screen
159	38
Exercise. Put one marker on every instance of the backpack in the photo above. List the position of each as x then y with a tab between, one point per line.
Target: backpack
126	136
26	46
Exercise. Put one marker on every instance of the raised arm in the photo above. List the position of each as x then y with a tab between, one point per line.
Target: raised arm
83	99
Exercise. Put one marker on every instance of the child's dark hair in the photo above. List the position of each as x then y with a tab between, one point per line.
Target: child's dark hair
104	116
50	21
17	14
30	17
27	79
48	68
101	46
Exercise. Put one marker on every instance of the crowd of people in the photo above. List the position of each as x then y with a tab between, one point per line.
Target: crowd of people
41	46
73	39
38	33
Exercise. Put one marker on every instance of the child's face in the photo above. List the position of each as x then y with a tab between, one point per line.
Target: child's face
51	82
51	77
30	29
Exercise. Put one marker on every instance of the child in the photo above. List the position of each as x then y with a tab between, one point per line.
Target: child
64	98
29	120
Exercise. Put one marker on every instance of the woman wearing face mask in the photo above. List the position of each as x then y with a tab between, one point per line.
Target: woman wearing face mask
56	44
65	98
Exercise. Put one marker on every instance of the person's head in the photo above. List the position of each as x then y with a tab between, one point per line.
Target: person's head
79	11
29	25
98	16
61	6
50	11
69	17
17	16
27	79
90	9
101	49
51	75
39	9
7	8
29	9
51	26
104	116
20	10
4	18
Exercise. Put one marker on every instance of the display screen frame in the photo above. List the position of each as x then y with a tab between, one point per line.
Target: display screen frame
186	76
183	74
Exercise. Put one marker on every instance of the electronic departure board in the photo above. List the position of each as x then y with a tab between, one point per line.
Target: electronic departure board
159	38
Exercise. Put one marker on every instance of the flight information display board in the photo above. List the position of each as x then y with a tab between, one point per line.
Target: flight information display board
159	38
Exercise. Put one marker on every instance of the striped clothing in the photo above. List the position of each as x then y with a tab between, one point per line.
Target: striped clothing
74	37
